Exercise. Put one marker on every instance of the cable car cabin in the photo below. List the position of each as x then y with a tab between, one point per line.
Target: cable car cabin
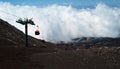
37	32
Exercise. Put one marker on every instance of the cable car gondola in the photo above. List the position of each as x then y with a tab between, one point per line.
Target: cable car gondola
37	32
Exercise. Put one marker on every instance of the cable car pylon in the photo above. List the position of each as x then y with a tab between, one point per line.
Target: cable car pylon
25	22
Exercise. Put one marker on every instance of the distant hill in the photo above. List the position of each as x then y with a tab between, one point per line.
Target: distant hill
11	36
95	42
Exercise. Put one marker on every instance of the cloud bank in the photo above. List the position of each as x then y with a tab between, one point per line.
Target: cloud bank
63	23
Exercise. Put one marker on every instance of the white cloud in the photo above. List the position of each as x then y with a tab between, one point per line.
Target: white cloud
63	23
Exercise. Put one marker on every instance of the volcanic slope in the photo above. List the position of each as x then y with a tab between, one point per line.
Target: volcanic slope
11	36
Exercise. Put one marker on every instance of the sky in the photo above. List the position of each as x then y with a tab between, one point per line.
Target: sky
74	3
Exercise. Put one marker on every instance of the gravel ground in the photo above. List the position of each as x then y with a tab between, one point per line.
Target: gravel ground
55	58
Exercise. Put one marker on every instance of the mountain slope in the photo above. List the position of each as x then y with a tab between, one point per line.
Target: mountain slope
11	36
